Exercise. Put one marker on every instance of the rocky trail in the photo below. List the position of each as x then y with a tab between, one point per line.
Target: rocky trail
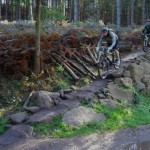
21	136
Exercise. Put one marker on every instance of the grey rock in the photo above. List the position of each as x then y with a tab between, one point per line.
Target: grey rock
120	93
80	115
136	71
109	103
18	117
139	86
44	116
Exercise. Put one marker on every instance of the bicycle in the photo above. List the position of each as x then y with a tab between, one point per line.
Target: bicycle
146	42
104	62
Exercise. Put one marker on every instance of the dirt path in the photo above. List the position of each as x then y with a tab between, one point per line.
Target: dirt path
117	140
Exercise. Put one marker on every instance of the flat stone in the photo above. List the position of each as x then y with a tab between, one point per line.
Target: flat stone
109	103
44	116
124	82
18	117
139	86
120	93
80	115
15	133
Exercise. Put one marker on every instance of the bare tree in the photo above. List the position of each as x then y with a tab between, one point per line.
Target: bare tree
30	10
132	12
37	32
75	10
118	16
0	10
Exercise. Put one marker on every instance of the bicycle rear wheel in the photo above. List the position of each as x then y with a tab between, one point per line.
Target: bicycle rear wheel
103	68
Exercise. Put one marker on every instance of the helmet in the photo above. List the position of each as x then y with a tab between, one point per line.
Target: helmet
105	29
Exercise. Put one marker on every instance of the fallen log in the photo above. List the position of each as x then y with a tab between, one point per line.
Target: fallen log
91	55
84	66
75	66
61	61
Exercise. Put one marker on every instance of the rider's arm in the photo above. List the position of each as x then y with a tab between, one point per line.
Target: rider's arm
100	41
114	39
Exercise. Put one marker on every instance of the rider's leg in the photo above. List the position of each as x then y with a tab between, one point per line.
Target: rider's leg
117	57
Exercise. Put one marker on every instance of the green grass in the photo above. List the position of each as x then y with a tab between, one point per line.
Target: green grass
120	117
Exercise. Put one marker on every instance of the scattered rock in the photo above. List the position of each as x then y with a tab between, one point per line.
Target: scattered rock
127	74
146	80
80	115
43	116
139	86
19	117
67	96
120	93
118	73
74	87
146	66
124	82
101	96
136	71
147	57
33	109
109	102
147	90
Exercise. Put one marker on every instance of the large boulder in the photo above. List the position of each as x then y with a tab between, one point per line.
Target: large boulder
44	99
18	117
80	115
136	71
120	93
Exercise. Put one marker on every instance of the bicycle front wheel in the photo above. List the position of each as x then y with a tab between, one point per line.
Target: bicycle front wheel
103	68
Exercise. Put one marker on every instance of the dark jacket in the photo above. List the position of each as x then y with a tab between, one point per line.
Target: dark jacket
146	29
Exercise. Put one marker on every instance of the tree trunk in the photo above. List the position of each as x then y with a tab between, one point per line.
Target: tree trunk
37	32
0	10
113	12
75	10
128	13
30	10
132	12
118	16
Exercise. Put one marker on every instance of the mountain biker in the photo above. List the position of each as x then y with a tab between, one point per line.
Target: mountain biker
146	29
112	43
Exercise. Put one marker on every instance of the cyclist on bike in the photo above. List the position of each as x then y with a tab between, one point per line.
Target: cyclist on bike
112	43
